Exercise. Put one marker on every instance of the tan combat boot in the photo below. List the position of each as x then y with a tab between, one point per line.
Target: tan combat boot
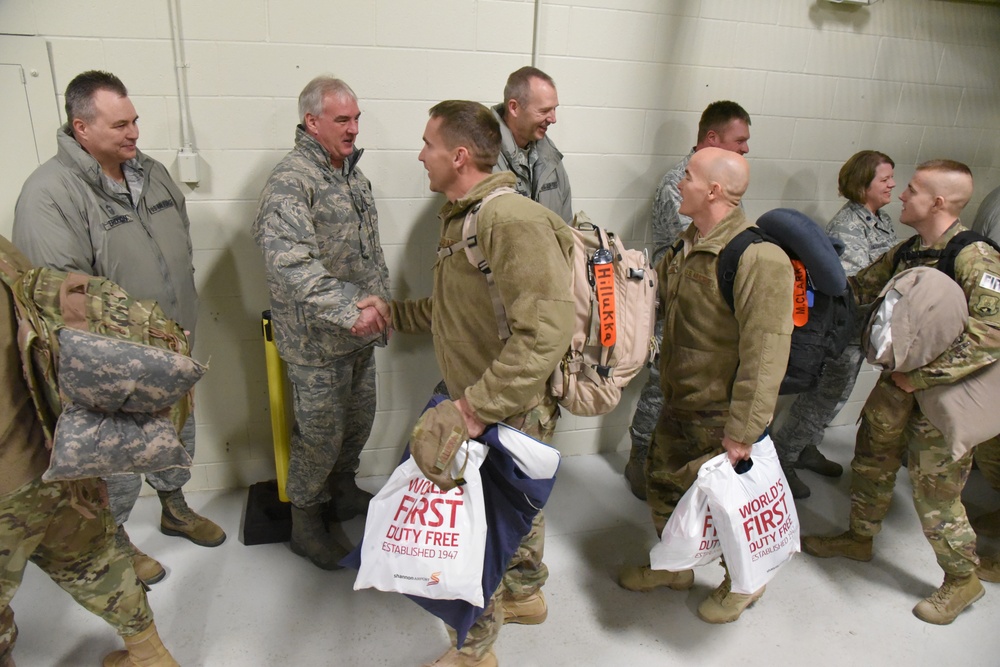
724	606
147	569
311	540
635	475
847	545
989	569
947	602
179	520
142	650
454	658
530	610
643	578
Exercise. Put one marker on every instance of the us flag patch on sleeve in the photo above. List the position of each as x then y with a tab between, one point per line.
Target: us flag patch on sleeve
990	282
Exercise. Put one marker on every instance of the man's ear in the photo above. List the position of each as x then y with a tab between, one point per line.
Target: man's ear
712	138
79	128
714	190
309	122
513	108
461	157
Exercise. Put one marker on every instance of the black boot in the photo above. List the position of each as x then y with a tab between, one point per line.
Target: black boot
311	540
797	486
346	499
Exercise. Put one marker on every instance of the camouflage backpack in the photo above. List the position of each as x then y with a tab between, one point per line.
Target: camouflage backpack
46	300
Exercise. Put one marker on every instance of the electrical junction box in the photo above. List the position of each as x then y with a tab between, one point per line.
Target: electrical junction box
187	165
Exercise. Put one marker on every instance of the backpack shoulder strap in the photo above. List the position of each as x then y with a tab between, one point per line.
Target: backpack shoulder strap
470	243
729	261
955	246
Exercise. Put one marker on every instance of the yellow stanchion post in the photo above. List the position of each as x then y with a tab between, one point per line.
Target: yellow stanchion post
279	412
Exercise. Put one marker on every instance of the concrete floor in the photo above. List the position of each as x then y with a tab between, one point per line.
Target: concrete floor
246	606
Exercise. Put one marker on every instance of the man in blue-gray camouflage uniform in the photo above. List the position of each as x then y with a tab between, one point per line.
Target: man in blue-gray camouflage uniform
724	125
318	230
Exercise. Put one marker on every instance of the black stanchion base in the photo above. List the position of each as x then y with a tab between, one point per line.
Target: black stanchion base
266	519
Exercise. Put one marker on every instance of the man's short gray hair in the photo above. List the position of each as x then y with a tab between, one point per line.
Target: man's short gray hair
519	84
311	97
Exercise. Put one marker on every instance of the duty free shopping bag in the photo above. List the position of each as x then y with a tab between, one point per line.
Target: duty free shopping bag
420	540
754	515
690	538
518	475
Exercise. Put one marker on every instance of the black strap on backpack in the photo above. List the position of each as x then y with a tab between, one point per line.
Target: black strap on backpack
946	256
729	260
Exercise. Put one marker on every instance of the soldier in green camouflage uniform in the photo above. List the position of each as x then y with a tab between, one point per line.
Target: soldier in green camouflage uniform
65	528
866	180
490	379
318	229
892	421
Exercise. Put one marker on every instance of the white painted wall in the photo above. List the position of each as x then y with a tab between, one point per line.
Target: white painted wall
917	79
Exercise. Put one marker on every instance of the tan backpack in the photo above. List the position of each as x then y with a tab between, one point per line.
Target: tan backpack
615	293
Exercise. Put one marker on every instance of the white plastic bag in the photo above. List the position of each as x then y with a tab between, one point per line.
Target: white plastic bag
425	542
689	539
754	514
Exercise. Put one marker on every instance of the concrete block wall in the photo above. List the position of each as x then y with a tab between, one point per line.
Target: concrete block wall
914	78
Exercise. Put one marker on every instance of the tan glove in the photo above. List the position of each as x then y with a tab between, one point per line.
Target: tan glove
436	439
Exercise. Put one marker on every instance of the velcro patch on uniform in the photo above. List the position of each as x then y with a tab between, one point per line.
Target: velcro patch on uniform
551	185
159	206
115	221
990	282
698	277
986	305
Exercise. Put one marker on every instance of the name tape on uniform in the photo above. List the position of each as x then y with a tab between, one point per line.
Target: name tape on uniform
990	282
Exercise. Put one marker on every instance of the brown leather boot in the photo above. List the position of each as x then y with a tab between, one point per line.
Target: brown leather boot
142	650
146	568
179	520
311	540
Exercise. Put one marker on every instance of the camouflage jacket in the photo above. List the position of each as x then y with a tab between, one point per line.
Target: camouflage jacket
67	219
23	454
866	235
528	250
977	271
318	230
668	223
714	359
547	183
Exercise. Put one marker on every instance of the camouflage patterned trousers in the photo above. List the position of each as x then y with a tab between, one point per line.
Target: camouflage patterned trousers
526	573
812	411
988	459
648	408
40	522
891	423
123	490
682	443
334	411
